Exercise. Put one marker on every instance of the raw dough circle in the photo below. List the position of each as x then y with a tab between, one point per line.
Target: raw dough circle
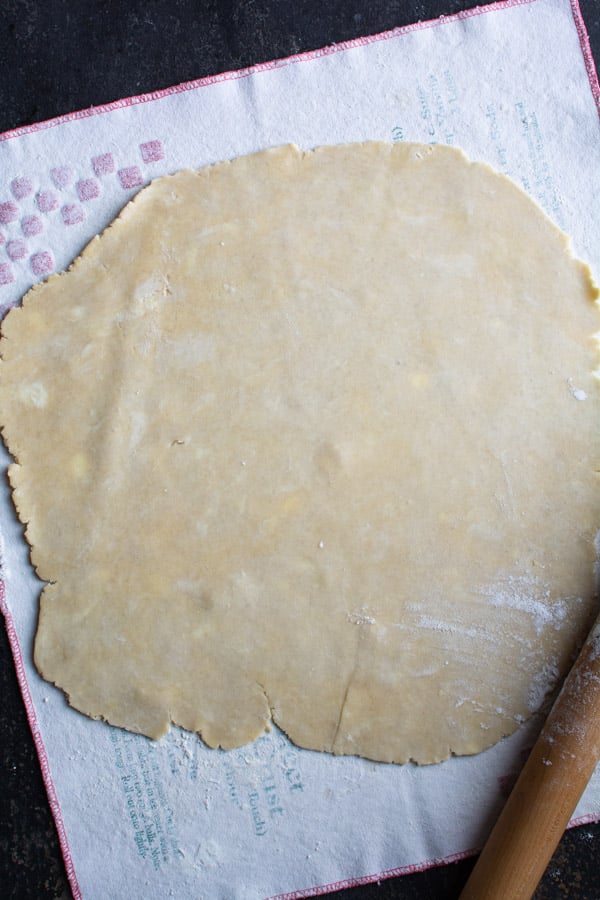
312	437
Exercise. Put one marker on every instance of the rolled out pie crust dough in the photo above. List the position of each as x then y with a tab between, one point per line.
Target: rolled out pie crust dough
312	437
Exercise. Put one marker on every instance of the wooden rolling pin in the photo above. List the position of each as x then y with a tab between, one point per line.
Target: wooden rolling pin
548	790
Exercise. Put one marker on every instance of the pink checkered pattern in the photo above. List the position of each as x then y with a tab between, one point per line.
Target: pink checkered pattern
152	151
130	177
42	263
46	201
9	211
62	176
72	214
16	249
21	188
88	189
28	205
31	225
104	164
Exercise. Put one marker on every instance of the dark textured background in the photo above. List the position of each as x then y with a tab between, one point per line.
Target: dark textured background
57	56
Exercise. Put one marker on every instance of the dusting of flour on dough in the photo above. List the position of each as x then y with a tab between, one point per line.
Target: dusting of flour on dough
543	683
528	594
35	393
362	616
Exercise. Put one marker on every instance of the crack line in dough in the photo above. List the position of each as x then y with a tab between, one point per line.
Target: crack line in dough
349	683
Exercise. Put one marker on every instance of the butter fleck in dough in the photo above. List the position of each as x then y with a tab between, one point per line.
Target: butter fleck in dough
312	437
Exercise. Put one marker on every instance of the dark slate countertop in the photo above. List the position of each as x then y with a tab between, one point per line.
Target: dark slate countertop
58	56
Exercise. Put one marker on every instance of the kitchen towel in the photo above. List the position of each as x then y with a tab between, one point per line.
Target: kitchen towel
514	85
